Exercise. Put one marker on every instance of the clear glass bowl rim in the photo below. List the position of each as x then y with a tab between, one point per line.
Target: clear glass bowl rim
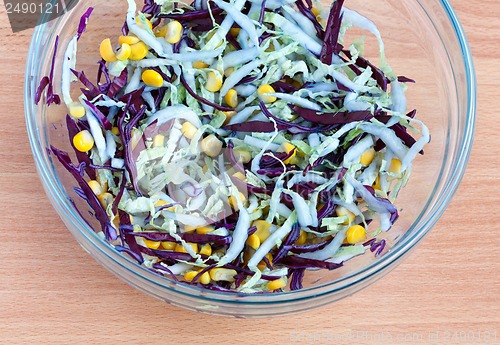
60	202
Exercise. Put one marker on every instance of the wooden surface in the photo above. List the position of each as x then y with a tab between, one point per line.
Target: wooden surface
446	292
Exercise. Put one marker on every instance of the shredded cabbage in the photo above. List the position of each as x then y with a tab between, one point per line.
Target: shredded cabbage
267	136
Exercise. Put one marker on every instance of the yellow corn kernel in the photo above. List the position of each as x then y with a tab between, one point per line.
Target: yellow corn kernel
138	51
206	249
106	199
367	157
200	65
235	31
262	264
355	234
302	238
180	248
276	284
106	50
376	184
287	147
315	11
262	229
124	52
234	203
296	84
152	78
188	130
211	145
158	140
83	141
151	244
115	131
189	229
205	278
253	241
214	82
160	32
263	90
293	82
205	169
76	110
148	23
231	98
222	274
174	32
269	258
203	230
270	48
240	176
103	182
228	71
341	211
160	203
127	40
229	115
190	275
96	187
168	245
242	156
395	167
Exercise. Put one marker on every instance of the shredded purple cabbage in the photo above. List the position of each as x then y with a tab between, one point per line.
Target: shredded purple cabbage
293	261
152	8
118	84
378	75
253	127
191	16
160	268
201	99
125	134
297	275
99	115
330	42
306	11
46	82
332	118
403	79
291	238
84	21
290	126
91	90
296	249
77	172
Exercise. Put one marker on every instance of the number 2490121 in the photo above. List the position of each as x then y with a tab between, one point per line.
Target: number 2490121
32	8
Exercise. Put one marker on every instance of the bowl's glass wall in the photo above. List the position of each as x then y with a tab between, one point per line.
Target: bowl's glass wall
422	42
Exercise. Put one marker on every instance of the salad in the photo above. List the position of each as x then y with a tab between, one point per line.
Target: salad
235	144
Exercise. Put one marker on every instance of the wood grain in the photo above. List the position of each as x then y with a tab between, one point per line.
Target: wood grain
65	297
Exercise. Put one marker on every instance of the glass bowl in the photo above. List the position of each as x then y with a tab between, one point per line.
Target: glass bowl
424	41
